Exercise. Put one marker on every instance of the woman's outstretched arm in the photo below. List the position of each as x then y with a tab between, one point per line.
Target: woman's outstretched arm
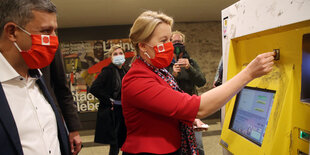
215	98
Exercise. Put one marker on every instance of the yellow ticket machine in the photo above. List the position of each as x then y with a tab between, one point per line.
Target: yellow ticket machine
271	115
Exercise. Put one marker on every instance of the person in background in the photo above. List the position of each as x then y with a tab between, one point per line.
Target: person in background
98	51
55	78
158	115
110	125
29	120
218	79
184	69
187	74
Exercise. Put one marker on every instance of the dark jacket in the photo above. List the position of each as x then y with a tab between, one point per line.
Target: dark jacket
9	137
189	78
110	125
56	82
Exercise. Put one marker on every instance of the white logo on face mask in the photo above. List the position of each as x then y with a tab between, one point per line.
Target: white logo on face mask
45	39
161	48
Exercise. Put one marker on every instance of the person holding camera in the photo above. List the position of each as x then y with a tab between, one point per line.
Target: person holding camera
219	74
188	75
184	69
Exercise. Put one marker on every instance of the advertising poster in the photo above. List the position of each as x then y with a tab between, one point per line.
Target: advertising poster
83	61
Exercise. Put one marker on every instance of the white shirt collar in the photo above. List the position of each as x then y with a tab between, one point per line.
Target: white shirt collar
8	72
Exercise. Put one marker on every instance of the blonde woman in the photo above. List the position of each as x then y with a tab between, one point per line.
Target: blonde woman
158	115
110	126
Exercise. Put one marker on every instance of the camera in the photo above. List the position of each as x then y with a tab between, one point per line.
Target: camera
180	49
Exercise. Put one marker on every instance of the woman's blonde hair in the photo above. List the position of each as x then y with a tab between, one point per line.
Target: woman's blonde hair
113	48
179	33
144	26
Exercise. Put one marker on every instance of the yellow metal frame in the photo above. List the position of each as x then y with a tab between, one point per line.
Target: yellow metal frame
288	114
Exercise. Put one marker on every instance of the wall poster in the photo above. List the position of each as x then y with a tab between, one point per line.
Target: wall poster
83	61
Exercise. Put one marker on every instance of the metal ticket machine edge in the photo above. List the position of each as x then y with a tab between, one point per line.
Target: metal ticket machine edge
271	115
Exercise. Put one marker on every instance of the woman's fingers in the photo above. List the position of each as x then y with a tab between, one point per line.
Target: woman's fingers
268	67
268	64
267	54
269	58
261	65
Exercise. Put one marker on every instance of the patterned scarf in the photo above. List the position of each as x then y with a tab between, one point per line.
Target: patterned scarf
188	140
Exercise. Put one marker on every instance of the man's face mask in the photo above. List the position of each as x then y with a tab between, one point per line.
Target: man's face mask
42	51
163	55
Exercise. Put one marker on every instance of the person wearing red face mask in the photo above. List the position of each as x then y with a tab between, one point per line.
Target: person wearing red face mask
158	114
30	122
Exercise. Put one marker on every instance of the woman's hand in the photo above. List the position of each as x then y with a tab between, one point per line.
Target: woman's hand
198	125
261	65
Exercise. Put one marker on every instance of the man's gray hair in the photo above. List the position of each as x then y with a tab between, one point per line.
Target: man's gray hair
20	11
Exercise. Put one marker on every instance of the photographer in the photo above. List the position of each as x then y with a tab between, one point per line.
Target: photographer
184	69
188	75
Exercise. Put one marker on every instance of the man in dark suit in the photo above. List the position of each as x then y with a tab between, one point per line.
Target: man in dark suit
54	76
29	120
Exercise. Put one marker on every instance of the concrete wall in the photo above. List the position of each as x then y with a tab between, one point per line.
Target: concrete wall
203	43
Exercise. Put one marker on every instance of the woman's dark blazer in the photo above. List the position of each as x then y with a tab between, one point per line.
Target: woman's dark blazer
103	88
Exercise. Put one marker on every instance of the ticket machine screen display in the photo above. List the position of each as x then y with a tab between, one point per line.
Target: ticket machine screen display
305	71
251	113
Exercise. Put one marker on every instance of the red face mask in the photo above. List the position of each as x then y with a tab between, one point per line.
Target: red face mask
163	55
42	51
